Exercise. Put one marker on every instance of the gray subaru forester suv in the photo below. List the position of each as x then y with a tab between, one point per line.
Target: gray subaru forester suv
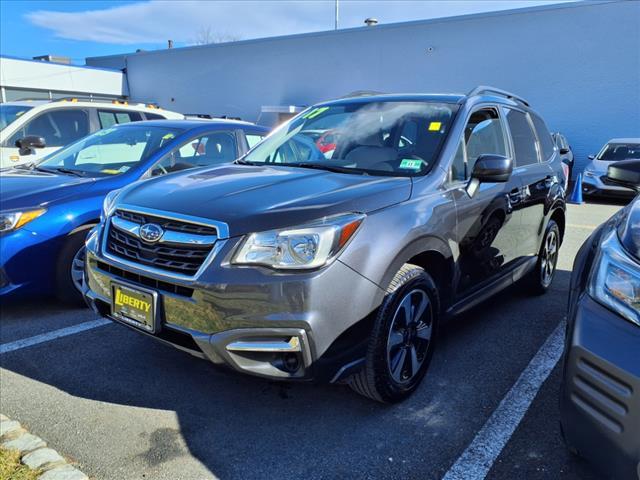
336	247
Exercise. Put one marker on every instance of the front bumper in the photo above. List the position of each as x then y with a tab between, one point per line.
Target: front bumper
600	399
256	321
595	186
27	262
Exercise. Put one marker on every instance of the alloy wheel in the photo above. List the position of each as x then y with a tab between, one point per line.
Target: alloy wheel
549	258
409	336
77	268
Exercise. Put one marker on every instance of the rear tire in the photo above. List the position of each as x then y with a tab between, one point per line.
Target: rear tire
72	252
541	277
402	340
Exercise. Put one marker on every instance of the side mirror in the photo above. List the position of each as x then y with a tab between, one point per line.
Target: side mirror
591	157
29	143
489	168
564	151
492	168
625	174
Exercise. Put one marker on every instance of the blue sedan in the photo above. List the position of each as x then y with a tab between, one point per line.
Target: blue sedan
46	209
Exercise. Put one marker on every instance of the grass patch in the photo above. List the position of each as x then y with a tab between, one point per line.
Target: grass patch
12	469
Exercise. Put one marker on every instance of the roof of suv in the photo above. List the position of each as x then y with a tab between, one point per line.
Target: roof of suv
192	123
407	97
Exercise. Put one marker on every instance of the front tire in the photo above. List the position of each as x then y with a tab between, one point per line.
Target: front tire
541	277
70	269
402	341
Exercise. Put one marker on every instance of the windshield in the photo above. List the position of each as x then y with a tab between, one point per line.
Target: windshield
620	151
384	138
111	151
8	113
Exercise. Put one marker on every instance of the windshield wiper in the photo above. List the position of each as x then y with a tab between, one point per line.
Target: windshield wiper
240	161
329	168
77	173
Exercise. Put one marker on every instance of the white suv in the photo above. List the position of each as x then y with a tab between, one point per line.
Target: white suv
30	130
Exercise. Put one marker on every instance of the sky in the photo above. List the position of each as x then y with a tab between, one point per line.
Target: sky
80	29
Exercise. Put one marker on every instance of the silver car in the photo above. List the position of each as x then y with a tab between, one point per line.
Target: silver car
336	247
595	181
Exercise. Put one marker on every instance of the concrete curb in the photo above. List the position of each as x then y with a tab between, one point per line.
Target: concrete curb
35	454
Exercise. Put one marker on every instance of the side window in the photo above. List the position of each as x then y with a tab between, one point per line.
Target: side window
524	140
207	150
153	116
253	139
546	142
58	128
483	134
109	118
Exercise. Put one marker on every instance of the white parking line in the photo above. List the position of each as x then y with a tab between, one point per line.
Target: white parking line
46	337
476	461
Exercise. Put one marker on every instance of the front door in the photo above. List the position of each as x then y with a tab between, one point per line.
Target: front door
488	221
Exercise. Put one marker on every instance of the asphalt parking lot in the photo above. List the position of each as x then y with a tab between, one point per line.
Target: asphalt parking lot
125	407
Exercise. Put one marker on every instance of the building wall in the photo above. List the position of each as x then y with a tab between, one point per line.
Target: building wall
578	65
38	79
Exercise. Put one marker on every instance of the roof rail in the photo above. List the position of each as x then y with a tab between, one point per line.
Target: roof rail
503	93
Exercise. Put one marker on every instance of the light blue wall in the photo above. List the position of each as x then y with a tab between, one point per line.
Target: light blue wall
578	65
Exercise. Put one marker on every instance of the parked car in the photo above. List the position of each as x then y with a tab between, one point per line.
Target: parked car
595	181
31	130
291	265
47	208
600	397
566	153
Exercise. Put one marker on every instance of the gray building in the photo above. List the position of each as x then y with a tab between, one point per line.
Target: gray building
578	64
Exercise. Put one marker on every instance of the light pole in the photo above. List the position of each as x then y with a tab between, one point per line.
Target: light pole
337	15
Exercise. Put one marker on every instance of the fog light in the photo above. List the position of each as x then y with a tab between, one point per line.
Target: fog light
291	362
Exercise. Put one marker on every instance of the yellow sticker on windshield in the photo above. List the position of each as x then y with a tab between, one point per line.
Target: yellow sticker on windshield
435	126
168	136
110	171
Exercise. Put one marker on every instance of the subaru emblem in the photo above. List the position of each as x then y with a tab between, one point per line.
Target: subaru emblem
151	232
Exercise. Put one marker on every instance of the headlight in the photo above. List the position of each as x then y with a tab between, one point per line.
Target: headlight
304	247
13	220
109	203
616	280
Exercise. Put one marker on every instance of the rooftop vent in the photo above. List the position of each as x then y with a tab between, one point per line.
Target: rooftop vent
370	22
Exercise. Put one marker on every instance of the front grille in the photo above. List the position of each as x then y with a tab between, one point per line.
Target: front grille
146	281
166	223
183	258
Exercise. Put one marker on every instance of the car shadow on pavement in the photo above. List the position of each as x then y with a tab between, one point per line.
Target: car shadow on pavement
240	427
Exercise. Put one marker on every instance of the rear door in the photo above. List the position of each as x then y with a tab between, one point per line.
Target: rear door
536	176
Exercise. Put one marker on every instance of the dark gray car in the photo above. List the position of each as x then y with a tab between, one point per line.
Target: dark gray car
600	400
335	248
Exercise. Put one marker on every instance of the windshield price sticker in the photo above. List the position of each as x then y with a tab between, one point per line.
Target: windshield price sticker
435	126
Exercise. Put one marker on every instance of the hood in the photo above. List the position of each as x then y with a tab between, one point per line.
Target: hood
599	166
258	198
28	188
629	229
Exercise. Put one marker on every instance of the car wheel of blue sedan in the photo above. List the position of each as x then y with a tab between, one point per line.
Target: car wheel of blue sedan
70	269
